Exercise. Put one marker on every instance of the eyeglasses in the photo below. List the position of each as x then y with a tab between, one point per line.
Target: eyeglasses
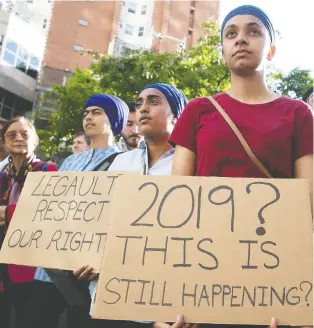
12	135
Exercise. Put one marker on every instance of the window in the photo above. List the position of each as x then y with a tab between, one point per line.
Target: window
21	65
6	113
129	29
23	54
34	61
190	31
78	48
132	8
144	10
12	46
9	58
192	11
83	22
9	100
141	31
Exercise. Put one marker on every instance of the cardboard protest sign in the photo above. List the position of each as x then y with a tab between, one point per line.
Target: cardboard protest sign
217	250
61	220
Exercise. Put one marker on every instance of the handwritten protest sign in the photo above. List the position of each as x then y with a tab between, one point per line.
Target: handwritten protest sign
218	250
61	220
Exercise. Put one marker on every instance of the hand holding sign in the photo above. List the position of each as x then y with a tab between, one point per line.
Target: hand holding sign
178	324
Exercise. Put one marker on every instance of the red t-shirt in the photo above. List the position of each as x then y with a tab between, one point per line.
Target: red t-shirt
278	132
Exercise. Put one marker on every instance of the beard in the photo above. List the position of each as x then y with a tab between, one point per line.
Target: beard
131	141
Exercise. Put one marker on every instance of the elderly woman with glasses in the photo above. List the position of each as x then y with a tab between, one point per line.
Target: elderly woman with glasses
20	140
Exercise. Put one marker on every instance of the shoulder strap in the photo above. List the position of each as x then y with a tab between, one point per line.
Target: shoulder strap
243	142
104	165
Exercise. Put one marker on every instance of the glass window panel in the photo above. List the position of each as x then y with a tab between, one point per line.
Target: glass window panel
9	58
12	46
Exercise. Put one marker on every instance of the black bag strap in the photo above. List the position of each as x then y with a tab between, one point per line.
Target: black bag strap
104	165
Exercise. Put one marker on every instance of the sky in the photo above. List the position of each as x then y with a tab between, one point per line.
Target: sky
294	19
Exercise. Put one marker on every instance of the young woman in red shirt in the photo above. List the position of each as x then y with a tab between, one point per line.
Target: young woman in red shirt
278	130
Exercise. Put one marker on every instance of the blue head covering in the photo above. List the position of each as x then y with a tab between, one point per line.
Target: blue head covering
115	108
175	97
253	11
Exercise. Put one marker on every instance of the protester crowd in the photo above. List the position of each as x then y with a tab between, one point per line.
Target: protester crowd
162	134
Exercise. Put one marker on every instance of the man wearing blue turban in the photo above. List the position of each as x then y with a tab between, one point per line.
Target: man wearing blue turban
104	116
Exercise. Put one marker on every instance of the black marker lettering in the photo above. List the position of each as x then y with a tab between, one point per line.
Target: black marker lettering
67	233
87	207
296	298
100	234
112	292
126	244
33	193
49	209
271	254
226	290
234	297
249	242
163	296
251	299
56	236
72	185
88	190
215	266
90	242
103	202
79	210
152	295
18	233
49	185
143	282
72	206
274	292
27	240
40	208
95	185
35	236
193	295
229	199
113	180
204	295
215	293
184	264
263	295
199	206
135	223
129	281
148	249
64	186
62	209
77	242
165	198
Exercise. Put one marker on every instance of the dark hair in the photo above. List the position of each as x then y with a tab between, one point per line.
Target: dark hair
16	119
131	106
307	94
80	134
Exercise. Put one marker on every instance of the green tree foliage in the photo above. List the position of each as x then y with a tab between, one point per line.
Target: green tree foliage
294	84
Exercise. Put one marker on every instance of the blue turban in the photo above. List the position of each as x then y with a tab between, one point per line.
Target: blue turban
253	11
175	97
115	108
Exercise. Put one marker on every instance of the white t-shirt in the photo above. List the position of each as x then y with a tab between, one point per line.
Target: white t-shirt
137	161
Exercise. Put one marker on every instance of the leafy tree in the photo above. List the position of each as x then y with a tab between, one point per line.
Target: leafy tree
294	84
